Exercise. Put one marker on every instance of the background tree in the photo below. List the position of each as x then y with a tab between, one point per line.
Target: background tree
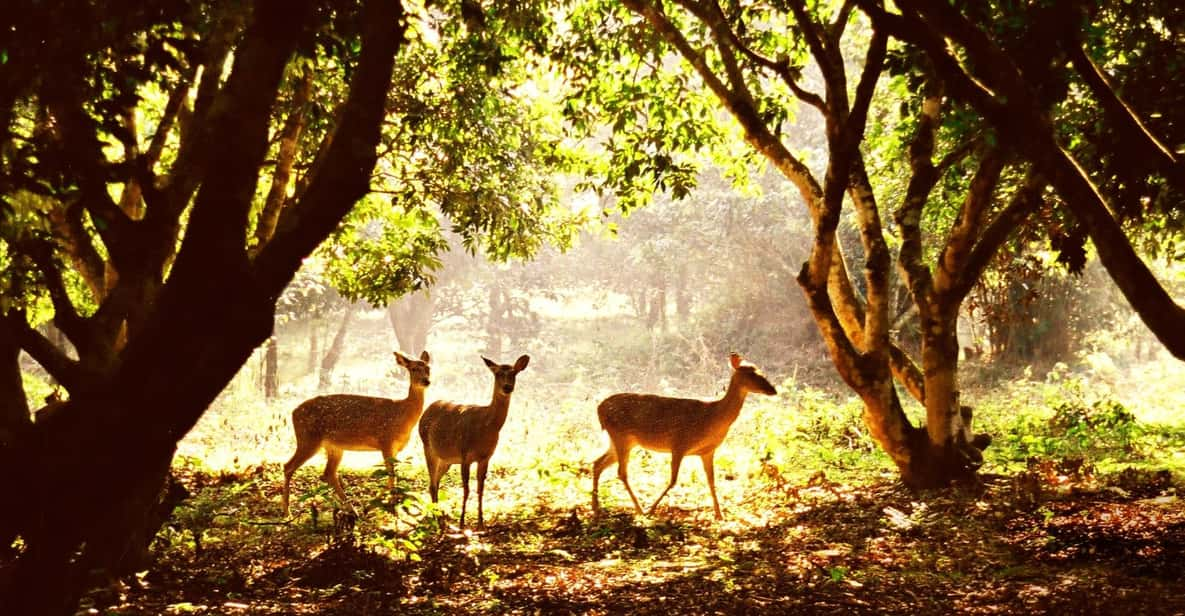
751	57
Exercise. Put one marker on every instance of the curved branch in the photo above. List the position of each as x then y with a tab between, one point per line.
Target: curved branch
1126	119
344	176
277	195
789	75
952	262
64	370
1022	204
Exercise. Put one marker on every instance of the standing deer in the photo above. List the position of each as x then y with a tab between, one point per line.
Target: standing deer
344	422
681	426
465	433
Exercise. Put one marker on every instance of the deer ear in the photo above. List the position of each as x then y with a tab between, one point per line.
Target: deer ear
521	363
735	360
425	357
489	363
400	359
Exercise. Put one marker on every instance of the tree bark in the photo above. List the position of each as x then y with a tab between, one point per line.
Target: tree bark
1000	93
89	473
277	195
271	369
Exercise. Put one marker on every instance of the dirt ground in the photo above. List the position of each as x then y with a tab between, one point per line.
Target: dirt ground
1050	540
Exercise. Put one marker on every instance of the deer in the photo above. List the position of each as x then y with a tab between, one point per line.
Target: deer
466	433
346	422
681	426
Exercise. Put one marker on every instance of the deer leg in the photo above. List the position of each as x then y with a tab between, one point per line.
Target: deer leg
599	467
482	467
333	457
304	451
676	461
433	473
464	487
389	460
623	463
710	471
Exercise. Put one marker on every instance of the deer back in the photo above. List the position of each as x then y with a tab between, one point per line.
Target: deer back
350	421
661	423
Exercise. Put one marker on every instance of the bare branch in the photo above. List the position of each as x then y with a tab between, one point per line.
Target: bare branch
1023	203
952	261
789	75
344	176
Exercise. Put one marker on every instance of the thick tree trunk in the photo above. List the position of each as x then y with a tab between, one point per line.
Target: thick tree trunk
14	407
954	454
14	426
87	476
96	466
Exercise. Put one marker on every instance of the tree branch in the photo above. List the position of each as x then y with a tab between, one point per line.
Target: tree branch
789	75
908	216
277	195
1023	203
66	223
1124	117
907	373
344	176
64	370
217	229
952	261
186	171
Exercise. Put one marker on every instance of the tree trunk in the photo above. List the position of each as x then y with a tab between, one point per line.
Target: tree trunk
952	457
271	369
411	320
314	347
14	408
335	349
87	475
14	426
496	322
682	294
94	468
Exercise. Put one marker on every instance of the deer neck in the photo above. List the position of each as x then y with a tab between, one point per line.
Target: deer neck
729	407
415	395
497	409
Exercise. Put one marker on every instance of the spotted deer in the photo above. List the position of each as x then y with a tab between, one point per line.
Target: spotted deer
466	433
681	426
345	422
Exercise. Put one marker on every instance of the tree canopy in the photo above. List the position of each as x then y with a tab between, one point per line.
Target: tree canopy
167	167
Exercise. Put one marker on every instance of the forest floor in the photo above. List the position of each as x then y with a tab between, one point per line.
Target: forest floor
1055	538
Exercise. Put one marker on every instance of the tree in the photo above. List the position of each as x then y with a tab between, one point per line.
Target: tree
1017	76
750	57
165	289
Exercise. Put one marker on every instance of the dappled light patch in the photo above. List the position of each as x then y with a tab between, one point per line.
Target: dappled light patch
1083	542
